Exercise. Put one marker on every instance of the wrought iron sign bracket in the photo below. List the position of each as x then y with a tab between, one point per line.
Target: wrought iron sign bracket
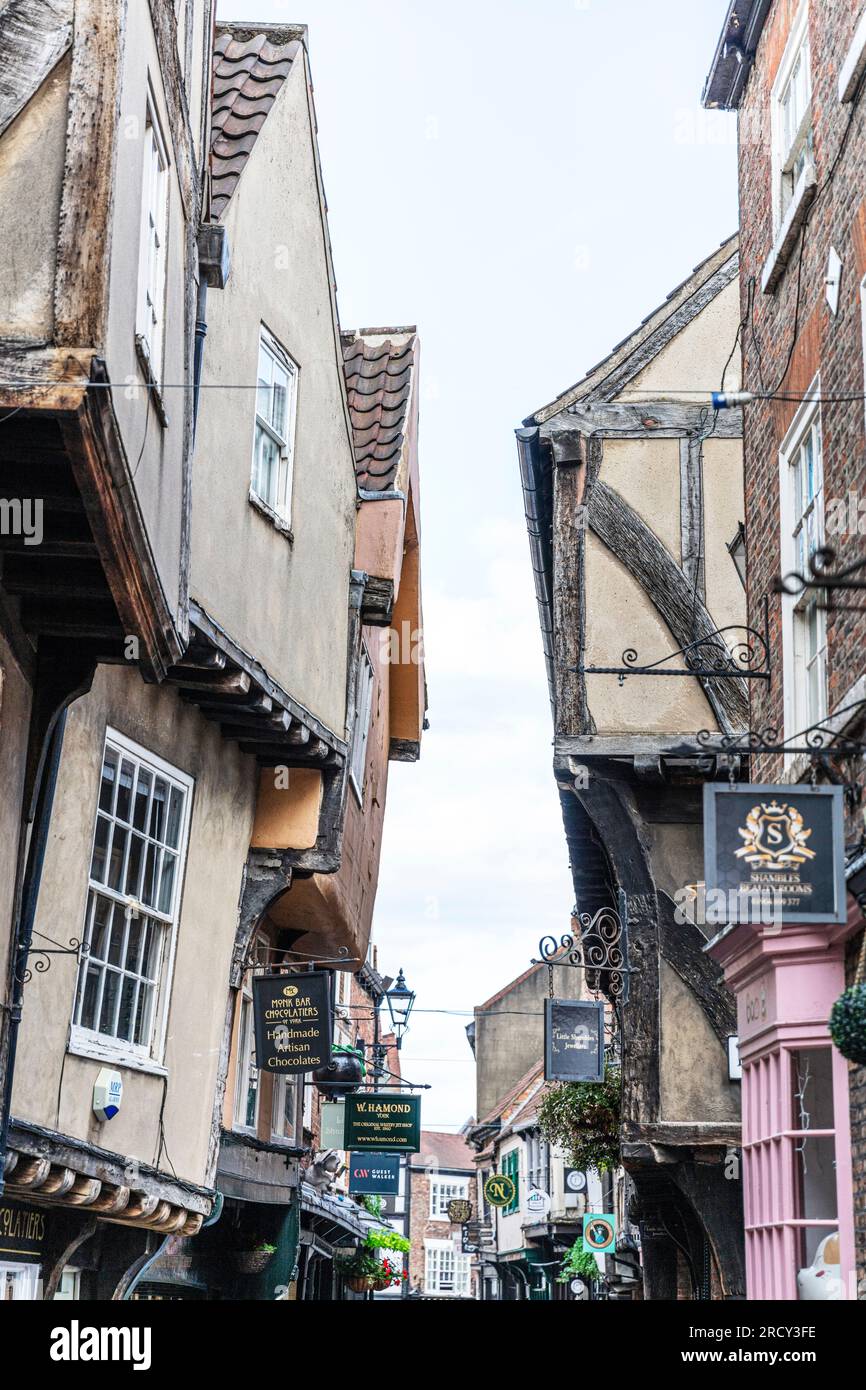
600	947
43	954
712	657
820	741
823	578
306	960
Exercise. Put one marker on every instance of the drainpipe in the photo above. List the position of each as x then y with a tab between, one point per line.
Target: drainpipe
214	267
24	935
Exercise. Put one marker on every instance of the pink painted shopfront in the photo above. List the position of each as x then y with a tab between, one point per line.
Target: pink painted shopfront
797	1182
796	1142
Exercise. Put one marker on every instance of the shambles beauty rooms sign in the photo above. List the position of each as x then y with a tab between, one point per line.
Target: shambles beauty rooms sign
774	854
378	1122
573	1040
293	1022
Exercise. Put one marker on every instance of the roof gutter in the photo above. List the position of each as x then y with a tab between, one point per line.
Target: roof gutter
530	472
735	54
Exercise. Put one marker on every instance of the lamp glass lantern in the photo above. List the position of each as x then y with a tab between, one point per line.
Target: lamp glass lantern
401	1000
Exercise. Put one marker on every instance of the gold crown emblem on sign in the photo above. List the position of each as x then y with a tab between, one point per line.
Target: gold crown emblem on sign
775	837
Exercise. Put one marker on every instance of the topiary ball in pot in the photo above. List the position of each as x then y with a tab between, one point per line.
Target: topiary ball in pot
848	1024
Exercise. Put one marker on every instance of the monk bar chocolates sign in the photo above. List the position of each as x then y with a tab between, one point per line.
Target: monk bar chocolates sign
293	1022
573	1040
380	1123
774	855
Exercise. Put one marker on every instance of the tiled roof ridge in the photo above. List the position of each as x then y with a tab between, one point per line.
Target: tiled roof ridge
250	66
379	384
536	1071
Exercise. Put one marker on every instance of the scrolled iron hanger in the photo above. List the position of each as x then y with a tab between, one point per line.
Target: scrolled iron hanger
825	578
710	657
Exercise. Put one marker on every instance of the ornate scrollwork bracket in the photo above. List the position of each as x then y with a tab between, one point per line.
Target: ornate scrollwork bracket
734	652
598	946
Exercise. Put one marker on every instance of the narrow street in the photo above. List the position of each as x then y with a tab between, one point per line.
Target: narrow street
432	834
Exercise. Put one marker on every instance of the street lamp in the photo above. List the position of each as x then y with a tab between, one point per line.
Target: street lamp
400	1002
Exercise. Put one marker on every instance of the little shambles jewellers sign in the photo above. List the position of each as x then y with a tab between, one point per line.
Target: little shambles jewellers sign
383	1123
781	847
293	1022
573	1040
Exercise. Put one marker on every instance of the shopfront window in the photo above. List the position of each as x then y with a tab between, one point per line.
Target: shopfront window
19	1283
814	1150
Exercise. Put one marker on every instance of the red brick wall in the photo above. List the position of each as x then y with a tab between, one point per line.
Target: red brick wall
421	1228
818	342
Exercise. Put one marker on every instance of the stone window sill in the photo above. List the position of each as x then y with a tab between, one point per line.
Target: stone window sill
278	522
786	239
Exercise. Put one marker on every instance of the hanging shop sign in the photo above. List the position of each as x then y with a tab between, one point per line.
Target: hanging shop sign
383	1123
774	854
333	1121
599	1234
459	1211
575	1180
499	1190
537	1204
293	1022
375	1175
573	1040
22	1231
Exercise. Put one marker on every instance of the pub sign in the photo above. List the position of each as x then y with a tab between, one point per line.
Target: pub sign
599	1233
293	1022
774	854
459	1211
573	1040
374	1174
382	1122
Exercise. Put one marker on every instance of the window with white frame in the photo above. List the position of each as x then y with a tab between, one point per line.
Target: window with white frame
284	1109
246	1111
361	730
804	625
133	903
792	114
538	1163
443	1191
150	310
446	1270
273	448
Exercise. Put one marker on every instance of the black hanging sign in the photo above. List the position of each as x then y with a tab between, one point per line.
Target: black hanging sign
383	1122
573	1040
774	854
293	1022
374	1174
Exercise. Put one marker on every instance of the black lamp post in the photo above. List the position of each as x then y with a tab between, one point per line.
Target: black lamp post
401	1000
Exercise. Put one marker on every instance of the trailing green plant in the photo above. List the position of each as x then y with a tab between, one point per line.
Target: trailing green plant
848	1024
584	1117
373	1205
578	1264
387	1240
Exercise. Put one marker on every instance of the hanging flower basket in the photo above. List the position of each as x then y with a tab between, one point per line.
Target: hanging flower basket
361	1283
848	1024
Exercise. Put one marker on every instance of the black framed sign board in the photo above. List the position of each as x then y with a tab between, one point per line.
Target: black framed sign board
374	1174
573	1040
292	1015
782	845
379	1122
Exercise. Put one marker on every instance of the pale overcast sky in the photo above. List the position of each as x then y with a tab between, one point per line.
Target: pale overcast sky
525	182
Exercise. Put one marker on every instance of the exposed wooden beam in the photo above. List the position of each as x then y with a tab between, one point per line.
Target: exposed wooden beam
223	683
34	35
